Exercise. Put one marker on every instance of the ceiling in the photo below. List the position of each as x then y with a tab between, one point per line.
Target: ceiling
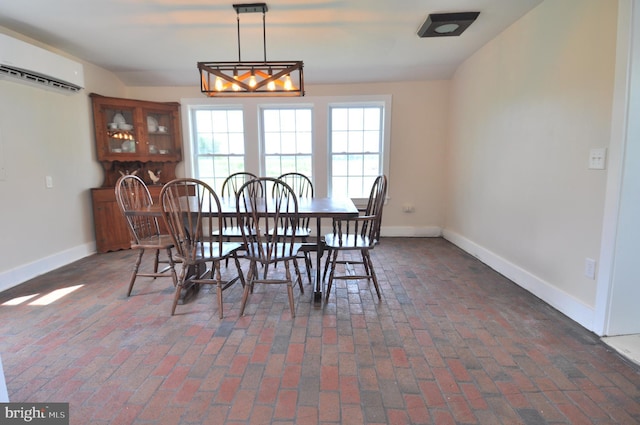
158	42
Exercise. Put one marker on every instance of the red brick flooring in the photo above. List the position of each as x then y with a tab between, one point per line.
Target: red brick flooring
452	342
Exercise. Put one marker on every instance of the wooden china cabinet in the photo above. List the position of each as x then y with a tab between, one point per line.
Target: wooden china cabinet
132	137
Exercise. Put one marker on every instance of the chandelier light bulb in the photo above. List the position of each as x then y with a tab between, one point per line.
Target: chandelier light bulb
288	85
219	85
235	86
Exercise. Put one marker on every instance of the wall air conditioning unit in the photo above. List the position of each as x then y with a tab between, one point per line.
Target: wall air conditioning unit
33	65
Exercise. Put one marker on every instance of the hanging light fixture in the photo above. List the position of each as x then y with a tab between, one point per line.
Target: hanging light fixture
266	78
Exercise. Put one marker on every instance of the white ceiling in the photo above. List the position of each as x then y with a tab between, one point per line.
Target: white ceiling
158	42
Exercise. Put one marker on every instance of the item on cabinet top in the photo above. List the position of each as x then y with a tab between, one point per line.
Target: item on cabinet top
155	177
163	151
127	173
119	119
129	146
152	124
153	149
162	129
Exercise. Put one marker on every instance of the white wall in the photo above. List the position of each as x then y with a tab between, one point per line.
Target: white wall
45	133
525	111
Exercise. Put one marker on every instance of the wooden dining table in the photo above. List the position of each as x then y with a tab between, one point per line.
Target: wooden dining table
316	207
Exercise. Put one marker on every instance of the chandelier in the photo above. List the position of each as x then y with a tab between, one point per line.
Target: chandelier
266	78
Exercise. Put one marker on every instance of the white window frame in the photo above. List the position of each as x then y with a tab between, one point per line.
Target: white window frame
253	138
267	106
384	148
194	139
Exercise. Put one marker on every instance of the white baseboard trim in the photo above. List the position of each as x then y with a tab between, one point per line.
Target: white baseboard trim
401	231
21	274
558	299
411	232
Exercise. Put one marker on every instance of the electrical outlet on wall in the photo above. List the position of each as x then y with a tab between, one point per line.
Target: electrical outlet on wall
590	268
597	158
408	208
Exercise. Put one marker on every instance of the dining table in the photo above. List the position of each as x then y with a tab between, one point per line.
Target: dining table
315	208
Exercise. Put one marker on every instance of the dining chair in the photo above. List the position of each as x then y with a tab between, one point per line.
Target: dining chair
132	194
230	226
191	210
303	188
265	201
361	234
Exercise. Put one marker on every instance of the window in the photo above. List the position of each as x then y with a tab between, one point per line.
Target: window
341	142
356	149
287	137
219	146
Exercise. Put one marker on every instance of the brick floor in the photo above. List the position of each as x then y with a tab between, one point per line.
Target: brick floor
451	342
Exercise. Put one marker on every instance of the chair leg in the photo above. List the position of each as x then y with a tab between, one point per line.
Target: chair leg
218	278
326	263
172	267
334	259
308	265
369	265
291	304
156	261
249	285
290	286
136	267
239	267
365	263
298	275
254	268
226	262
179	286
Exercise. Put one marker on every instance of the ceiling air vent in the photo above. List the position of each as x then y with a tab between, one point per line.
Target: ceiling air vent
447	24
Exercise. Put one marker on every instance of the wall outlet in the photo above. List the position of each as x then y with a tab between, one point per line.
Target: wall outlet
590	268
408	208
48	182
597	158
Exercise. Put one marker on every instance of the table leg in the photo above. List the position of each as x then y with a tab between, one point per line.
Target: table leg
317	294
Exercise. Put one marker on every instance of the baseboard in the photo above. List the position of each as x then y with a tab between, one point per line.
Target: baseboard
21	274
410	232
558	299
401	231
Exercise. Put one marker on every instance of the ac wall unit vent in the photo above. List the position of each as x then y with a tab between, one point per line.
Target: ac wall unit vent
26	63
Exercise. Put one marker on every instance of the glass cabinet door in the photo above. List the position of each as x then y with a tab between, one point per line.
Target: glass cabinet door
160	133
121	131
